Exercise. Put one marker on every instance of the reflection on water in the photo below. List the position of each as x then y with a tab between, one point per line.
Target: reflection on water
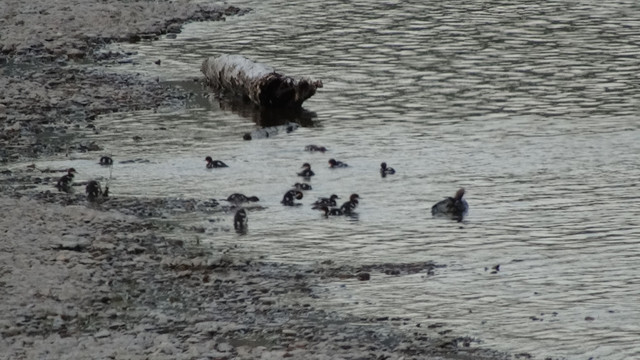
531	107
265	117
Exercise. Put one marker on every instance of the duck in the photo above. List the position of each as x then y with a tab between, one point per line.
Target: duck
241	198
302	186
331	211
214	163
289	196
240	221
333	163
95	193
349	206
64	183
314	148
106	160
385	170
330	201
307	173
454	207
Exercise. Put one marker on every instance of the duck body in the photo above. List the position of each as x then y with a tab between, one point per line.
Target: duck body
240	220
306	171
106	161
241	198
331	211
302	186
65	182
385	170
348	207
290	196
455	208
330	201
333	163
214	163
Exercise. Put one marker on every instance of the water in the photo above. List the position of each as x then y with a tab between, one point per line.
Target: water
531	106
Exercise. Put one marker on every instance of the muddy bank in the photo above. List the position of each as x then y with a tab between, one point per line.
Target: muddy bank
83	280
46	91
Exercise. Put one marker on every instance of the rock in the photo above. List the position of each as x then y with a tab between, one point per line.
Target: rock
102	334
224	347
73	243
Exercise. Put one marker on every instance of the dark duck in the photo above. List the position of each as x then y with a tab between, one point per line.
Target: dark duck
349	206
290	196
452	207
214	163
64	183
240	221
385	170
314	148
331	211
106	161
302	186
330	201
95	193
333	163
306	171
241	198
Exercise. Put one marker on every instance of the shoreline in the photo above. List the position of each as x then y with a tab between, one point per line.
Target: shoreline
110	281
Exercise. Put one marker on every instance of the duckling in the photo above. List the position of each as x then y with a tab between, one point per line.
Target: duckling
333	163
302	186
64	183
214	163
106	161
306	173
95	193
385	170
237	198
314	148
240	221
330	201
289	196
454	207
349	206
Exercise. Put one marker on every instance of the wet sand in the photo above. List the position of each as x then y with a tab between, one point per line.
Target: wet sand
81	280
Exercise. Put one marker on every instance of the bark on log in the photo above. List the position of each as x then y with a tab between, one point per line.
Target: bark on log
258	82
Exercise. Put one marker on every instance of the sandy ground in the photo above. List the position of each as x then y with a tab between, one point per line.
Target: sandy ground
86	281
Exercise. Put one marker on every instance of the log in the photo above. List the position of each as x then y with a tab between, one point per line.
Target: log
258	82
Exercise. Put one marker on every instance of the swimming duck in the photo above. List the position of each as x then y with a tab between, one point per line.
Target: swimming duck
214	163
290	196
241	198
95	193
105	160
385	170
349	206
333	163
453	207
330	211
240	221
64	183
330	201
314	148
301	186
307	173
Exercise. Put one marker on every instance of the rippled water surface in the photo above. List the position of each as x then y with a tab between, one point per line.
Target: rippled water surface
531	106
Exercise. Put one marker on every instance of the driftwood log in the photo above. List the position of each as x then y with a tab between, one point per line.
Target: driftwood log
258	82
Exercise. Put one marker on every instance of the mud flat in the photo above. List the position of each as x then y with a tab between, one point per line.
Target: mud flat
86	281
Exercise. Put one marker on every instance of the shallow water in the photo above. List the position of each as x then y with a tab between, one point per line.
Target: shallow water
532	107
